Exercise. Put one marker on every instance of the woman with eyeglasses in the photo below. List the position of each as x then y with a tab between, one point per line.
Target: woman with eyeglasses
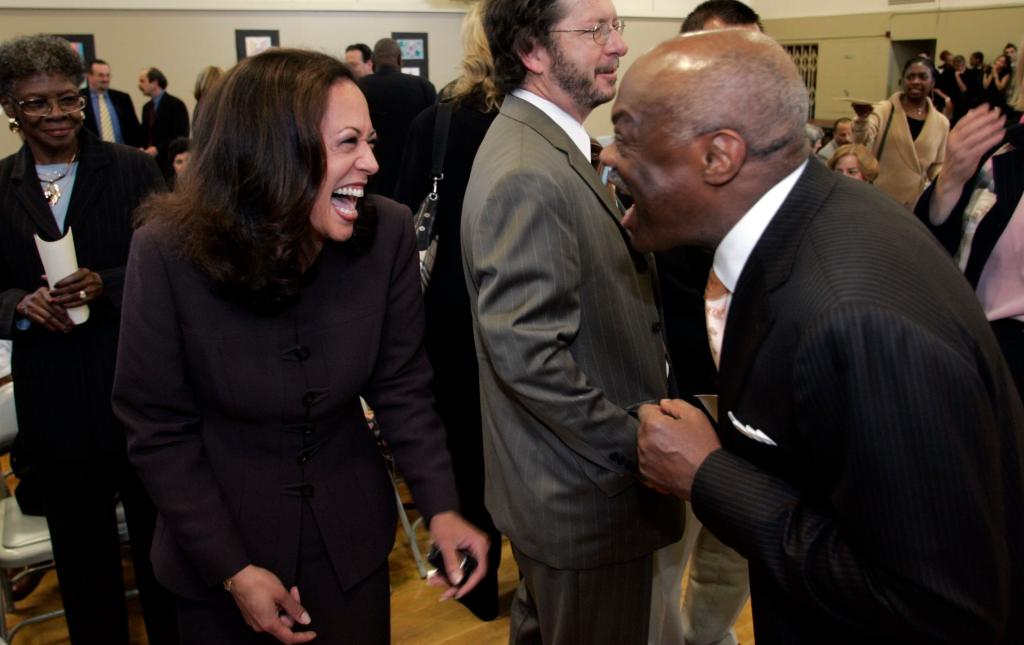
65	179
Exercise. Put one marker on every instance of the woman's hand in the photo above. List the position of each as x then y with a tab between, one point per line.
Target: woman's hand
863	109
975	134
78	289
267	606
40	308
450	532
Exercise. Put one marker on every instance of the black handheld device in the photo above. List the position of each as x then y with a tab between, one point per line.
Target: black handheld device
466	562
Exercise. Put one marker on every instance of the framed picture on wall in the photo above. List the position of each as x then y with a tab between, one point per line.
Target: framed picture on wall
415	55
84	44
249	42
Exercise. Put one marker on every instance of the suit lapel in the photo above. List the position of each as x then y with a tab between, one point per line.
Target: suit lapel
522	111
88	188
532	117
30	195
752	311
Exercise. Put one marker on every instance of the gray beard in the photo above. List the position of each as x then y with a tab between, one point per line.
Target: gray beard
582	90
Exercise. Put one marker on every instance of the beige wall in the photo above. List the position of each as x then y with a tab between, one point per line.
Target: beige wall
181	43
854	50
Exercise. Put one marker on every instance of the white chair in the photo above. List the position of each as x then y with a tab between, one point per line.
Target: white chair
25	539
24	542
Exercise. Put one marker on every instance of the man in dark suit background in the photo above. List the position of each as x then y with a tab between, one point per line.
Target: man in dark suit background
394	99
109	114
164	118
567	335
868	457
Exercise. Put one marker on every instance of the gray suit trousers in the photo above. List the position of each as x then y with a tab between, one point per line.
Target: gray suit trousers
606	605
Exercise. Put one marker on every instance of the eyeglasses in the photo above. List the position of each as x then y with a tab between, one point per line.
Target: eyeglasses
43	107
600	32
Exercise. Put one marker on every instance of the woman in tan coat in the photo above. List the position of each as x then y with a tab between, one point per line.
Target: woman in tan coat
906	134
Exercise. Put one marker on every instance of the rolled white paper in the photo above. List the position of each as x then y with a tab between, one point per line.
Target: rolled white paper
60	261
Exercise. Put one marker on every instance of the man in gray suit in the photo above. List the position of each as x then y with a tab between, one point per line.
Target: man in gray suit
567	334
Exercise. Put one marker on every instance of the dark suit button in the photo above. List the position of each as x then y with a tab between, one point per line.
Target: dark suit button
302	458
301	352
305	428
306	490
656	327
308	399
617	458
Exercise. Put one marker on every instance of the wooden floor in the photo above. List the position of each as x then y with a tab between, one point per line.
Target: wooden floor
416	616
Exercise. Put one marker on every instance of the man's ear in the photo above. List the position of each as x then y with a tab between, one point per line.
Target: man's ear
536	60
724	155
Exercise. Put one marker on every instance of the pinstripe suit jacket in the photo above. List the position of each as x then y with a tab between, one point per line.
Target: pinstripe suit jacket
890	510
568	337
74	370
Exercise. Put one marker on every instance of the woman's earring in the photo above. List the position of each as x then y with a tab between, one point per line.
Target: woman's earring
13	124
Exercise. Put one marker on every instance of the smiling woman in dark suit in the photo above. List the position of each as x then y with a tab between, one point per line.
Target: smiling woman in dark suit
263	298
65	179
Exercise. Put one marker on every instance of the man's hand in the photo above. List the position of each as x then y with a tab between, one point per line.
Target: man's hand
976	133
268	607
672	443
450	532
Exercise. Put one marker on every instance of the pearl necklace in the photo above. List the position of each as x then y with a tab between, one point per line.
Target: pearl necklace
51	189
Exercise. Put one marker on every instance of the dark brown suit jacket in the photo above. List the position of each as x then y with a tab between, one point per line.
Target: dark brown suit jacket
890	509
235	419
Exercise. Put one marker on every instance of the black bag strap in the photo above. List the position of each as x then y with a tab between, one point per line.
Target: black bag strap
885	133
442	121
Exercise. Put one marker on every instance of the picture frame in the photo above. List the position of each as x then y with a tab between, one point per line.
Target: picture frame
249	42
84	44
415	52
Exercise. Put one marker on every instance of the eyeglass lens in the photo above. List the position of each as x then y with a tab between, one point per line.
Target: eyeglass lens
43	107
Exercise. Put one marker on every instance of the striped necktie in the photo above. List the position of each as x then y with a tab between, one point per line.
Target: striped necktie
716	308
106	124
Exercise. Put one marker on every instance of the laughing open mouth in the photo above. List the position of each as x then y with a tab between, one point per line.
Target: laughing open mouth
345	199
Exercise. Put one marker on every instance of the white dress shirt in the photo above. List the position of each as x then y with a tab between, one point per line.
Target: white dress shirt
735	248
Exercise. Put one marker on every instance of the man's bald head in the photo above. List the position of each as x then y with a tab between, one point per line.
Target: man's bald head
734	78
705	124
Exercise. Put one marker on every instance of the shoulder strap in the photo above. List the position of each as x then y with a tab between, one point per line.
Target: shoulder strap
885	133
442	121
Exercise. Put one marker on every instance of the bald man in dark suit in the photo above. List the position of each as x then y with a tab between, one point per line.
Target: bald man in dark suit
868	456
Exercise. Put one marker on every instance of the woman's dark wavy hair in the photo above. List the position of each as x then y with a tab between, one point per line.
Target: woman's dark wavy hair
242	208
514	27
29	56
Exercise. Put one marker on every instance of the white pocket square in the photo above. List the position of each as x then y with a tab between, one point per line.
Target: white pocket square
751	433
